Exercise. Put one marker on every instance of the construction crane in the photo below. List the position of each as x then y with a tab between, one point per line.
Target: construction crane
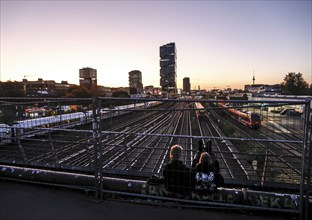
27	75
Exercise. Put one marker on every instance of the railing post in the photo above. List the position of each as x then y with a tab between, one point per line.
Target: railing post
53	150
264	167
18	137
308	169
303	184
95	146
127	160
87	138
99	136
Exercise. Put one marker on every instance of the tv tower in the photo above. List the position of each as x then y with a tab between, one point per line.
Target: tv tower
253	78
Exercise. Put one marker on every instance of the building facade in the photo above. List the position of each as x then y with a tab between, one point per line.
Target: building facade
186	85
135	82
264	89
88	78
168	67
36	88
39	88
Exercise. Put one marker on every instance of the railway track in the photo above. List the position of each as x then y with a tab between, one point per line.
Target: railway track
232	164
282	160
121	150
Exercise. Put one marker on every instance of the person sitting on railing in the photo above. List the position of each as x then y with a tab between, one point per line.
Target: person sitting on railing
178	177
198	153
204	175
219	180
215	163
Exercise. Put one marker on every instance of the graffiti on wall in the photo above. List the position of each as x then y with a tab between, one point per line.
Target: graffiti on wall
233	196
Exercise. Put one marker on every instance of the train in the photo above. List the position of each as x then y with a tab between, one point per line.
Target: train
39	126
249	119
201	113
5	131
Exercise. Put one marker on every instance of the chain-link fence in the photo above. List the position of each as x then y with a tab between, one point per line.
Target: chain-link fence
114	145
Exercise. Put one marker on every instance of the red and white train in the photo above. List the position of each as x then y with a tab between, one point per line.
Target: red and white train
201	112
249	119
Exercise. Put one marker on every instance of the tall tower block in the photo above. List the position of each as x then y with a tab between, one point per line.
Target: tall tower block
168	67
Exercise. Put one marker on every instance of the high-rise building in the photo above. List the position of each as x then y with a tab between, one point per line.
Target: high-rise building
88	78
168	67
186	84
135	82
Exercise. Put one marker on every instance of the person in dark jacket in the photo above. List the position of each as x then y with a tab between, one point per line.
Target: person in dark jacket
178	177
198	153
214	161
219	180
204	175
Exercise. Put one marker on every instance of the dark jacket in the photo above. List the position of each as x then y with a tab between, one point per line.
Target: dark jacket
178	177
205	168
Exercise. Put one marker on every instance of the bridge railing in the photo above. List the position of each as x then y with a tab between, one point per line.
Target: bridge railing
130	139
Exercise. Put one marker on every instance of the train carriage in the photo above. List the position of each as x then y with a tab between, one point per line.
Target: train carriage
249	119
5	133
39	126
201	112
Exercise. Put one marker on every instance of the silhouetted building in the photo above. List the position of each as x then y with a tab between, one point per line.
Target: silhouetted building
153	91
39	88
263	89
45	88
135	82
61	89
168	67
88	78
186	85
13	89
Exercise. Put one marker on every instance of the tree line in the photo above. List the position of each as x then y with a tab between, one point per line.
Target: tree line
294	84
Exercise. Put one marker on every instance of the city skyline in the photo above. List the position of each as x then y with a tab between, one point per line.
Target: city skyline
220	44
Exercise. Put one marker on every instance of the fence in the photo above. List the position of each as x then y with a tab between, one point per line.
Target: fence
113	145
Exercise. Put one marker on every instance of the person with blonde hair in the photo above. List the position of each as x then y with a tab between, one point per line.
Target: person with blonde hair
177	176
176	152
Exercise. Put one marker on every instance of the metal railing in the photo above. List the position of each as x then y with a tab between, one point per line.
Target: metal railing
130	139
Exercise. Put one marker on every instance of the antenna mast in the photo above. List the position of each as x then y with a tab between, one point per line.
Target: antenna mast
253	78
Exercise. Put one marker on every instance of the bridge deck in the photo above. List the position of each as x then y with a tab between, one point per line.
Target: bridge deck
25	201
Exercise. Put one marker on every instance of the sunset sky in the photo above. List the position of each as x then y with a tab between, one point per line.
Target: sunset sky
219	43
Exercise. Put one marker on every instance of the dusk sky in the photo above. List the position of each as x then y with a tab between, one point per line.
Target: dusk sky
219	43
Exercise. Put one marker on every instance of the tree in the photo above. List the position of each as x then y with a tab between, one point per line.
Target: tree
11	89
294	84
121	94
133	90
310	90
78	92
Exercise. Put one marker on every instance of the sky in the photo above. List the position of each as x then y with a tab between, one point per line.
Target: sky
220	44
